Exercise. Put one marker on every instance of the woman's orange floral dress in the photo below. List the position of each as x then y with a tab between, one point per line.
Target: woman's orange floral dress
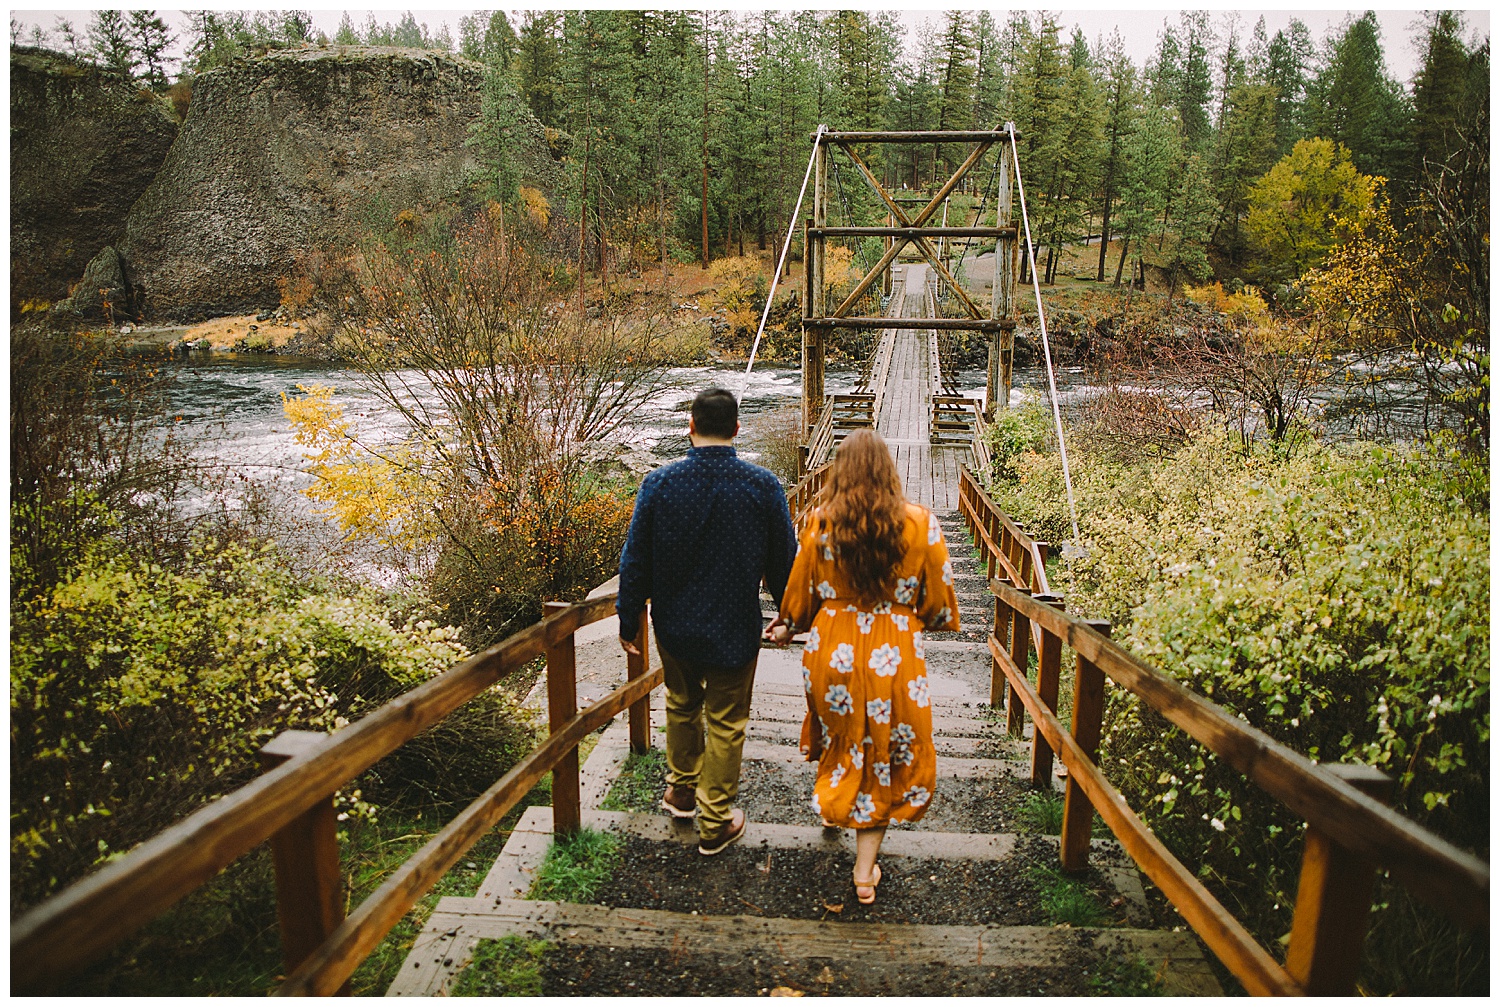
866	676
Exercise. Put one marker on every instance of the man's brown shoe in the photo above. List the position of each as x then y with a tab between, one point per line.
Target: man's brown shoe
680	802
732	834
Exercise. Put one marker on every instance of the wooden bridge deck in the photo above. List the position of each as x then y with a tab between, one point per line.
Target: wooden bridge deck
929	474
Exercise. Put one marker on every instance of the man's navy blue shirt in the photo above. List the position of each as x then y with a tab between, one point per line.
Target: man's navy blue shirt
706	530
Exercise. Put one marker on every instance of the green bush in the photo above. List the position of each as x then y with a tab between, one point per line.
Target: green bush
139	692
1026	428
1335	597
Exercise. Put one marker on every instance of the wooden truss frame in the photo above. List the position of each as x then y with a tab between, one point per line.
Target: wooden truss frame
907	229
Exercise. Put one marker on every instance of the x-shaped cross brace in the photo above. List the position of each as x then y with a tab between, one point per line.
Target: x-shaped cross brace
917	221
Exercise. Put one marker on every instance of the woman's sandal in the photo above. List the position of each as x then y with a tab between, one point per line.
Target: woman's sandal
860	889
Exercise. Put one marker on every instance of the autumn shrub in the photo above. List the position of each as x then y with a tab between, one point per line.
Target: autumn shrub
1335	597
740	289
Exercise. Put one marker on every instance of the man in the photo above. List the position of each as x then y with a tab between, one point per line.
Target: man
707	530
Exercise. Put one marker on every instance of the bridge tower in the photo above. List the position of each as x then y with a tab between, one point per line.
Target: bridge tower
998	319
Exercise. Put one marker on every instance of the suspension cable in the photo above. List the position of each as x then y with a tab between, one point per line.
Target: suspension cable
786	247
1041	317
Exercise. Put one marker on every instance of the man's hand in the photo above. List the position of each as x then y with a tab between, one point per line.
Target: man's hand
777	633
629	647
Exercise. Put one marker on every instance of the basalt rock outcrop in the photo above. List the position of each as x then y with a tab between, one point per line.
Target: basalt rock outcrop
84	145
296	150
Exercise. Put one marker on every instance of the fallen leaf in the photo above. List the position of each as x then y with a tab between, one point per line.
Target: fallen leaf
787	991
834	907
826	976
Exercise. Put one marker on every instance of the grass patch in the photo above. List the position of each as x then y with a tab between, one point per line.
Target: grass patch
508	967
1124	977
1042	811
639	785
1066	900
576	866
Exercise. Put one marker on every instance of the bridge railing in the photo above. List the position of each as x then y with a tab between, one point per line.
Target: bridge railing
291	806
1008	551
1350	833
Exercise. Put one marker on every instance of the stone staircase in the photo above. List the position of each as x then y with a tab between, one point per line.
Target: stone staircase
961	908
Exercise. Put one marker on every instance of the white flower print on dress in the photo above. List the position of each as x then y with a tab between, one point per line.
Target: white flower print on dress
865	621
806	679
902	622
842	660
839	701
864	808
944	616
917	690
947	571
825	590
884	660
817	805
828	554
814	641
837	776
906	590
902	755
857	758
879	710
934	530
904	734
883	608
918	648
823	731
883	773
916	796
868	740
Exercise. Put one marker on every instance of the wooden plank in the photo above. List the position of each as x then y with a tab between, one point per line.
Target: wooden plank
1223	934
915	136
72	928
327	969
1048	671
636	666
914	232
1449	879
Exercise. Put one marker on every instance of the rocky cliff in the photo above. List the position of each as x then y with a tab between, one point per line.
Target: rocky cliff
84	145
295	150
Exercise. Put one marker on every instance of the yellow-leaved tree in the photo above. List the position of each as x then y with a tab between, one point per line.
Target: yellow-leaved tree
1311	200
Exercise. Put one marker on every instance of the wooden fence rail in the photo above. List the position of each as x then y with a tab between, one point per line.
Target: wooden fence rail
289	803
1350	833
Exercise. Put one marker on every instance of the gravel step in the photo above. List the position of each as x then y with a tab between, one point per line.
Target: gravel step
604	951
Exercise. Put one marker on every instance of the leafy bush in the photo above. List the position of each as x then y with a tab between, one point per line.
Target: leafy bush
1016	431
138	692
1336	598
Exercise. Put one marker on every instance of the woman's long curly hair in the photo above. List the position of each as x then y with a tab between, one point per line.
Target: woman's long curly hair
864	513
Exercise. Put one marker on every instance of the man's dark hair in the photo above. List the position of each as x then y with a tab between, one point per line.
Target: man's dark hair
716	414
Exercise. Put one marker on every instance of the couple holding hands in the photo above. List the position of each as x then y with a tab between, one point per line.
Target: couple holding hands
867	575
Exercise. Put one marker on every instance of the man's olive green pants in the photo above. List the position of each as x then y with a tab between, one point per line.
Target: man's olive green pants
707	709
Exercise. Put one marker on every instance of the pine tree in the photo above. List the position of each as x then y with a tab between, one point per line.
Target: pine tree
1355	103
1153	154
409	34
1441	97
487	36
109	41
956	104
1289	60
1196	79
347	35
539	64
151	39
68	35
1121	98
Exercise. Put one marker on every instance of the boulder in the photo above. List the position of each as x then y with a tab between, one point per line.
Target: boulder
103	291
299	149
84	145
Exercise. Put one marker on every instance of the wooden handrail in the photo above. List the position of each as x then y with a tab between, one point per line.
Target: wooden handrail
324	972
78	924
971	498
1437	872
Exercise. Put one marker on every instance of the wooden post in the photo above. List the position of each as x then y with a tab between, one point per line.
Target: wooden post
309	895
1088	722
1048	671
1020	650
562	704
640	712
1333	901
1002	632
1002	296
813	342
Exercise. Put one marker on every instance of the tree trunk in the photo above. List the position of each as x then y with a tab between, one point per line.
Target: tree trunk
1120	268
705	139
1104	237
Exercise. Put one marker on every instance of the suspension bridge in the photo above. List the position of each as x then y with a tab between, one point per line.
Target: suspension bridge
995	688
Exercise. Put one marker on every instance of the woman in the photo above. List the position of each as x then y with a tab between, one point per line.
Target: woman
871	575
